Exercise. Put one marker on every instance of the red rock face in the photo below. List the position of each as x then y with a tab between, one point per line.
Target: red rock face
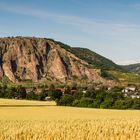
25	58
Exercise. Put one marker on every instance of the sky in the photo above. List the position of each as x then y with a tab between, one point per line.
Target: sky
108	27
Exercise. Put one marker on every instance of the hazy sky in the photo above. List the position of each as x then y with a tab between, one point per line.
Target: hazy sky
108	27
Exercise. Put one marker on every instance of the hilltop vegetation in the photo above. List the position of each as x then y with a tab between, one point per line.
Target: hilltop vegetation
92	58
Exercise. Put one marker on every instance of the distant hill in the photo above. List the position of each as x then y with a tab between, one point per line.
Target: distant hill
134	68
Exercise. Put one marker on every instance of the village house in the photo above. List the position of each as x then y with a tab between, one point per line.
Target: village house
131	91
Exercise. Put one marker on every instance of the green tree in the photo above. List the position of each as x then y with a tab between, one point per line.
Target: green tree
74	86
21	92
41	96
95	104
67	90
2	91
120	104
84	102
90	94
31	96
8	93
55	94
136	103
108	103
79	94
66	100
52	87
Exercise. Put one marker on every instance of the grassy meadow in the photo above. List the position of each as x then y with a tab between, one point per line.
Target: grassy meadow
35	120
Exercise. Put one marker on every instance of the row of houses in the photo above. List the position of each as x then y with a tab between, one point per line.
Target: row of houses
131	91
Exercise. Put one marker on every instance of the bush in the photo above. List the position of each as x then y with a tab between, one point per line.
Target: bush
136	104
8	93
55	94
100	96
78	95
21	92
120	104
95	104
32	96
107	103
85	102
66	100
90	94
41	96
105	74
116	89
76	102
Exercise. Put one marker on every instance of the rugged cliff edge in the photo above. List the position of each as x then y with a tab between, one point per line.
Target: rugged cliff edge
24	58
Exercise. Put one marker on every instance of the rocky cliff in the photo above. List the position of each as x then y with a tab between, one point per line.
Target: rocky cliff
24	58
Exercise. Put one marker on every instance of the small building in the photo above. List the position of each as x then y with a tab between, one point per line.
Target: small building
130	89
131	92
135	96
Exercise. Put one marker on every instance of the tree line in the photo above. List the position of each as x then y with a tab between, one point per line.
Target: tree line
102	98
81	97
19	92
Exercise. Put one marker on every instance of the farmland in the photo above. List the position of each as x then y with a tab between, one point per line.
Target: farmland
25	120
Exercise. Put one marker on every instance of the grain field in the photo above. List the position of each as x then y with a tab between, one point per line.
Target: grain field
34	120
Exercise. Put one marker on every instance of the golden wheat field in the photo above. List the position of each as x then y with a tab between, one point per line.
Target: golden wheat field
34	120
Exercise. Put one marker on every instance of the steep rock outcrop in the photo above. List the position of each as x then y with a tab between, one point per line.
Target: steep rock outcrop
23	58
